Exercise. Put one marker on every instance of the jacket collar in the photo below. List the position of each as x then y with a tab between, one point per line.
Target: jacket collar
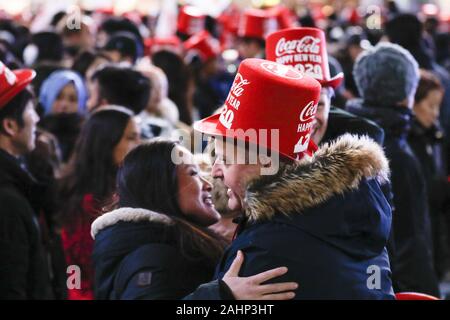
128	215
335	168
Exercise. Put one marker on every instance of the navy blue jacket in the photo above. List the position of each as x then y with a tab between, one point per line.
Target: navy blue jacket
326	220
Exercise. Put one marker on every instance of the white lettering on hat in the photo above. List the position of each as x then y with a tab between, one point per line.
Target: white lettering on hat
302	143
281	70
238	85
236	91
226	117
307	44
308	112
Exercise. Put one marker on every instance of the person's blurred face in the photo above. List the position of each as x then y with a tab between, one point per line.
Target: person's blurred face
102	38
113	55
66	101
131	138
321	120
23	138
427	110
248	49
156	93
94	95
194	193
94	65
231	167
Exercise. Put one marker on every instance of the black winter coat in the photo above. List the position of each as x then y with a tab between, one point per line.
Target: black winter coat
24	270
412	259
429	147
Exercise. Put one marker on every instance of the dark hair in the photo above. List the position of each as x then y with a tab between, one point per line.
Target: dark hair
50	46
15	107
117	24
428	82
148	179
395	30
178	76
91	169
123	86
85	59
125	43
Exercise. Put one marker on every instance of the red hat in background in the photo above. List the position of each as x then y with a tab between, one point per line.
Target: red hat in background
191	20
13	82
153	45
257	23
204	44
306	50
284	16
268	95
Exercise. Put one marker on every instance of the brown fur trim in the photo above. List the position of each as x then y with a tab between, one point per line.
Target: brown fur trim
334	169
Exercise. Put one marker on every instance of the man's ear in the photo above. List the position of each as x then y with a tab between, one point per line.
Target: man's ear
10	126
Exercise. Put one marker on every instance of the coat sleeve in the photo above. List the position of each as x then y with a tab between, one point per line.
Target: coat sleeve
14	247
214	290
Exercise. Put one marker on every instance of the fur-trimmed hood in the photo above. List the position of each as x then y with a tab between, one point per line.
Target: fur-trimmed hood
336	168
127	215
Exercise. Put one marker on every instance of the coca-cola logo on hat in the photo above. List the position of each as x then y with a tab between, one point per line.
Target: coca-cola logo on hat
308	112
303	54
232	101
281	70
308	44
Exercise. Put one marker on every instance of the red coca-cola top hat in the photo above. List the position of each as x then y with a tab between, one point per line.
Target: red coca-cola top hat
13	82
267	95
257	23
305	49
172	43
191	20
204	44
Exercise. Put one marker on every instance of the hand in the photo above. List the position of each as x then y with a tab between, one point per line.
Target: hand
250	288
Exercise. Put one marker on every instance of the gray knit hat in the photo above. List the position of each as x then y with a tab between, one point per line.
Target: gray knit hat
386	74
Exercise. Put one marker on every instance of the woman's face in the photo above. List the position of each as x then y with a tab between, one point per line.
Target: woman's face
131	138
194	193
427	110
66	101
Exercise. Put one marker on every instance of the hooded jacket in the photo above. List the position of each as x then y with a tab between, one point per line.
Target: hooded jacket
326	219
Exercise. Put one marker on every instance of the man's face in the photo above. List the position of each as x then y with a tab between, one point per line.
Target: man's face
230	166
321	120
23	138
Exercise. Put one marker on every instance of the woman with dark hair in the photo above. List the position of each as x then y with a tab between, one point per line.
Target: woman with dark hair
107	136
427	141
156	245
87	61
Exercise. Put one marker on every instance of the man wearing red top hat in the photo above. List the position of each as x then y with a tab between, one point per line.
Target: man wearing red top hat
24	270
305	49
191	20
254	26
320	213
206	70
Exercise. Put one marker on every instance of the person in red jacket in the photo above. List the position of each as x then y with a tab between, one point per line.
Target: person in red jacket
108	135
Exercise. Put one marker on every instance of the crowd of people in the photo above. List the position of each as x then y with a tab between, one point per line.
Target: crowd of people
358	206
